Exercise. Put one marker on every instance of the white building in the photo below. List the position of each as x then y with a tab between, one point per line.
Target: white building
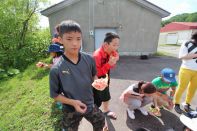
177	32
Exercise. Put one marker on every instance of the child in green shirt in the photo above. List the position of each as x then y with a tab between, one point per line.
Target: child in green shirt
163	83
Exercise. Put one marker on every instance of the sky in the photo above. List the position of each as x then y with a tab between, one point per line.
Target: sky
176	7
173	6
44	20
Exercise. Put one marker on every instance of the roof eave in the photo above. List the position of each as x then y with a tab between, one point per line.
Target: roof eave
144	3
57	7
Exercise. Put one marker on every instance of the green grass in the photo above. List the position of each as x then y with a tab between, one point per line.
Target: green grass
169	45
163	53
159	53
25	103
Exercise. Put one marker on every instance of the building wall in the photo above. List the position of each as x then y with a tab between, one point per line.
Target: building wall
81	14
182	36
162	38
138	27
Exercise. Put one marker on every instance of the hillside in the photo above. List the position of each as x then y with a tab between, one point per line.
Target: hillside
185	17
25	103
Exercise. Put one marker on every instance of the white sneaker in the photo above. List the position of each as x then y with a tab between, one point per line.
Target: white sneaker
131	114
143	111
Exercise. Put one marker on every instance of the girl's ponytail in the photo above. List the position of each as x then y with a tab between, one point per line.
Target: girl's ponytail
140	84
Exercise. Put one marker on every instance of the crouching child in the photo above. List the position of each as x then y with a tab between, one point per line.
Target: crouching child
137	96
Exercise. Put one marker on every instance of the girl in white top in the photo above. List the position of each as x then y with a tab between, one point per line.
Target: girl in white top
187	74
137	96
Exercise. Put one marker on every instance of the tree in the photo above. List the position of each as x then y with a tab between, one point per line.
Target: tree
19	37
192	17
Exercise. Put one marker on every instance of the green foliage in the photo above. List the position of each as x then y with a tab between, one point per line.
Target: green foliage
21	40
185	17
10	72
192	17
3	74
25	103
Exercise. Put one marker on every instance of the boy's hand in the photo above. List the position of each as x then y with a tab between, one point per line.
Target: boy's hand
79	106
114	57
112	60
115	54
166	98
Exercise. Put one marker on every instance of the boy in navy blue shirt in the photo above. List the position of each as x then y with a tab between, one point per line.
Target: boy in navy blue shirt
71	81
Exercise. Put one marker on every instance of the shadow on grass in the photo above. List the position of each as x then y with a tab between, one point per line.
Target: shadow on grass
4	90
40	74
56	117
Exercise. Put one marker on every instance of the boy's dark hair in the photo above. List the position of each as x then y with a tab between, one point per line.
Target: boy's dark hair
194	37
68	26
55	35
110	36
57	28
147	87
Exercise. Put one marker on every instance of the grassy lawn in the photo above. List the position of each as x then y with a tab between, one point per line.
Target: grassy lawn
168	50
25	103
162	53
164	45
